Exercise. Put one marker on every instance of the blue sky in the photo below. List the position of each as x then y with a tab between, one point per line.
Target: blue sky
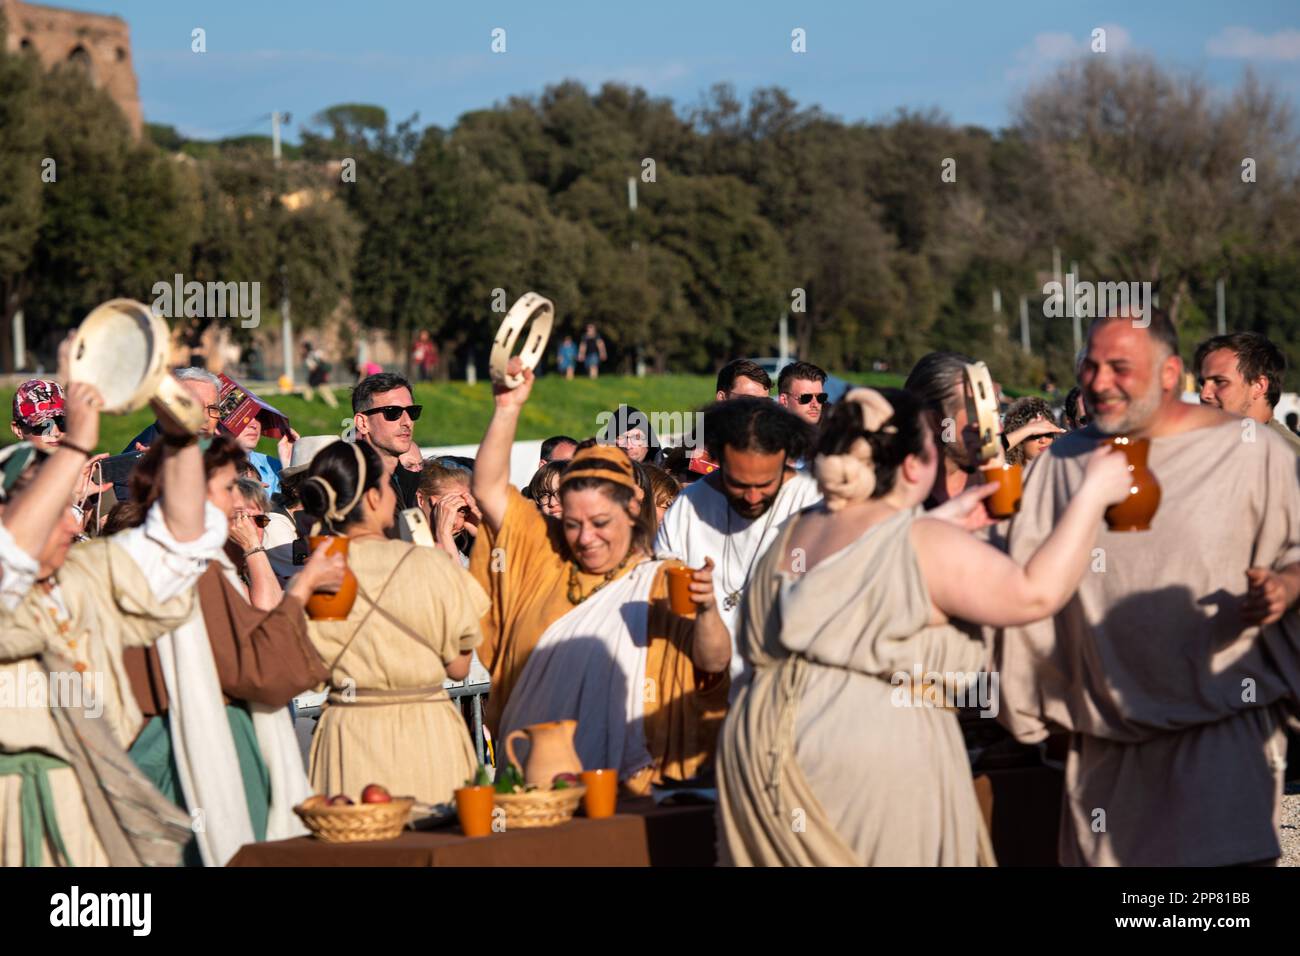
969	58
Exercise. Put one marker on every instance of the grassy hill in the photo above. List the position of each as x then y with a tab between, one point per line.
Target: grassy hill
456	413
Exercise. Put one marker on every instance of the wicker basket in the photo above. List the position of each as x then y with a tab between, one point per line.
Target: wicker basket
358	823
539	808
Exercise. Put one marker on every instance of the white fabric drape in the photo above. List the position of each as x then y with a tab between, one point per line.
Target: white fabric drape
204	749
589	666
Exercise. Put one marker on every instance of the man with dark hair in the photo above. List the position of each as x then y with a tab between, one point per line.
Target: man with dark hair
801	387
1173	667
1242	373
733	514
557	448
384	414
742	377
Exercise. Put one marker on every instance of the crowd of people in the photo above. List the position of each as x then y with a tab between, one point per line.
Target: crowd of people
830	547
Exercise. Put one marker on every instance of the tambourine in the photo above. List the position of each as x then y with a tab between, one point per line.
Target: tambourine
121	349
982	410
530	308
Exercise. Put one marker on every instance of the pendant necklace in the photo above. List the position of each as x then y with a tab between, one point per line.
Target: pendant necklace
732	600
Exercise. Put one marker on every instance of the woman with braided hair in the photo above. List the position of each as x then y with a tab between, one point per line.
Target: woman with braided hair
388	719
580	626
841	750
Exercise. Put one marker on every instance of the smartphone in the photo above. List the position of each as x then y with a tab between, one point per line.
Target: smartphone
117	469
412	526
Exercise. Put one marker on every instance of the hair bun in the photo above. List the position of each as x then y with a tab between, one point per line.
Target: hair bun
847	478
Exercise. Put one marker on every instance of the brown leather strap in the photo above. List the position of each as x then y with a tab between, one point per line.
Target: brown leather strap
374	606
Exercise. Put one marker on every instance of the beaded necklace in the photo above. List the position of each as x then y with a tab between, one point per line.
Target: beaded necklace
575	594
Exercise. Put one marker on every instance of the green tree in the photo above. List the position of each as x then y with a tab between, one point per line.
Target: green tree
22	139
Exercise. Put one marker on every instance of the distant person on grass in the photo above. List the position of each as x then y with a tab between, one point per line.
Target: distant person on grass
592	351
318	373
567	359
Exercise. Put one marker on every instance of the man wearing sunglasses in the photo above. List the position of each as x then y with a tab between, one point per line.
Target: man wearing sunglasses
385	413
38	414
801	387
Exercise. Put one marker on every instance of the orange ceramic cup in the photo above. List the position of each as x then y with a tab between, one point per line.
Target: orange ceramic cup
474	807
679	591
1004	502
602	793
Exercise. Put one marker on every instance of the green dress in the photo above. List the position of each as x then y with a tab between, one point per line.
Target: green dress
152	753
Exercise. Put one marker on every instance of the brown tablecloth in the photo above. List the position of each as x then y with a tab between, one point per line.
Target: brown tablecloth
640	834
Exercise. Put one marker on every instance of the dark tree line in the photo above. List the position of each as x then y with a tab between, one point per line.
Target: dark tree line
745	211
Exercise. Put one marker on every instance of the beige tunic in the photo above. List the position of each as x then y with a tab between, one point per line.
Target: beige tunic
112	607
402	731
826	757
1176	708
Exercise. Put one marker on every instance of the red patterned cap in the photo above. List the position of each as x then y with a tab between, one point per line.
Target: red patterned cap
37	400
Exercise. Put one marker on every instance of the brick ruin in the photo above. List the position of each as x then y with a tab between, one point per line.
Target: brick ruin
97	43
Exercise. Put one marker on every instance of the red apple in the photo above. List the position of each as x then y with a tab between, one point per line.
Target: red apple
570	778
374	793
340	800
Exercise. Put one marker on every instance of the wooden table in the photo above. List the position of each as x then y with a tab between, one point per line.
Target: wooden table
640	834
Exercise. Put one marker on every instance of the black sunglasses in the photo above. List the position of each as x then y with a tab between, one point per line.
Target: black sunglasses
822	398
49	425
392	413
260	520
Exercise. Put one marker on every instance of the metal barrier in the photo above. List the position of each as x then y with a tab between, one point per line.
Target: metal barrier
458	690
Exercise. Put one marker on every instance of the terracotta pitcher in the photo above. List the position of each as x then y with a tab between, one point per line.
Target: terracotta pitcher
550	751
333	607
1135	512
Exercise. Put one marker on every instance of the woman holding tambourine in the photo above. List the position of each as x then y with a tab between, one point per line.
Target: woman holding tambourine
580	625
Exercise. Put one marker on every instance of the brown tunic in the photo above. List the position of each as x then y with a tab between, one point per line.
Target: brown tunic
261	656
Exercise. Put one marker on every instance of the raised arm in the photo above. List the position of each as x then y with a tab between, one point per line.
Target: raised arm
184	486
38	507
1034	429
976	582
491	482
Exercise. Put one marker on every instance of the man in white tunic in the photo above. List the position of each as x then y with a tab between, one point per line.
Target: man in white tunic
1176	661
733	514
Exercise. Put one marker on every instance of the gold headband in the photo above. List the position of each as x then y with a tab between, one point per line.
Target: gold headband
334	512
620	474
